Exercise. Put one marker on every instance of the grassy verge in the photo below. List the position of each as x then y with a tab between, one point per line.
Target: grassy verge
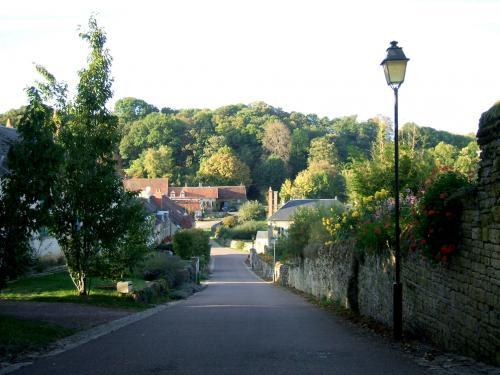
58	287
20	336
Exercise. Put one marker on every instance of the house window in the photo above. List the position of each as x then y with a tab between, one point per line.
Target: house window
172	194
183	195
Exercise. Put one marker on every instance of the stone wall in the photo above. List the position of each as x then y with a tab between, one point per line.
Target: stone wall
455	305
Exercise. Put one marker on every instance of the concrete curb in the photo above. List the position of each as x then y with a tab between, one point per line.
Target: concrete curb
83	337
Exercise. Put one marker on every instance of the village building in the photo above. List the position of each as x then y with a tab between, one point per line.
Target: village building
194	199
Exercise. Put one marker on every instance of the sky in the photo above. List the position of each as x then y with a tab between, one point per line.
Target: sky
309	56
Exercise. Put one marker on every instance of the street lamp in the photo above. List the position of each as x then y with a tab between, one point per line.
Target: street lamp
395	68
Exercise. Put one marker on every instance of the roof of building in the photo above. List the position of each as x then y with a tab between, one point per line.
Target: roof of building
233	192
209	192
286	212
195	192
154	185
177	214
7	137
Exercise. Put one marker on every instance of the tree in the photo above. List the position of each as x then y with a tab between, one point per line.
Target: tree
277	140
224	168
319	180
272	172
467	162
152	131
153	163
322	150
444	155
25	192
131	109
137	230
251	210
88	195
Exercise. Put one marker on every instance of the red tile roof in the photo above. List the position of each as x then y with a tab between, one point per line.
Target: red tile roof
233	192
158	186
195	192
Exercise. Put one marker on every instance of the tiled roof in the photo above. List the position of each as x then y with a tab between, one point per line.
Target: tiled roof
286	212
7	137
233	192
177	214
158	186
196	192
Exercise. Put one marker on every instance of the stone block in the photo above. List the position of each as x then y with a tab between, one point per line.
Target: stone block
124	287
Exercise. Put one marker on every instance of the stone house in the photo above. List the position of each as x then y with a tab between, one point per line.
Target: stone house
191	198
281	219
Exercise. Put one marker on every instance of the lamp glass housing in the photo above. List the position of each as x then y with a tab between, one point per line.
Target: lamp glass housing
395	71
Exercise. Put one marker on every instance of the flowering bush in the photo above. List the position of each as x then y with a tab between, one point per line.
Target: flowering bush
438	228
371	221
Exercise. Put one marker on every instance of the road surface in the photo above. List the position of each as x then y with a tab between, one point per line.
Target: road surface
238	325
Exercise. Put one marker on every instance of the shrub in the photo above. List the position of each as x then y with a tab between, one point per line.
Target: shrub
192	243
306	231
438	228
245	231
251	210
163	266
230	221
371	221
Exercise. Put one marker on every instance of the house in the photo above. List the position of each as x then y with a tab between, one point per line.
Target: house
208	198
169	216
153	189
194	199
282	218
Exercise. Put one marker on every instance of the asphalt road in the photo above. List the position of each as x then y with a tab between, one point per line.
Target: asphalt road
238	325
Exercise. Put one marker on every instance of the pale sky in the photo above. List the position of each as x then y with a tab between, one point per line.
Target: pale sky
309	56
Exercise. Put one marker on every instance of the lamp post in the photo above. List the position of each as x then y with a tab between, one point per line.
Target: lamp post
395	68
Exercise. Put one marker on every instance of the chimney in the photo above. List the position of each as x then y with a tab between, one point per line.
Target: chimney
270	202
275	202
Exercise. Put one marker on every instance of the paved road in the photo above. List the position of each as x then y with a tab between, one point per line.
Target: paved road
238	325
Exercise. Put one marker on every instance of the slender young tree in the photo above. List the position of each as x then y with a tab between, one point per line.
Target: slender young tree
88	192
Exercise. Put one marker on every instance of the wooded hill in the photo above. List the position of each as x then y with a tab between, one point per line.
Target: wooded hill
261	146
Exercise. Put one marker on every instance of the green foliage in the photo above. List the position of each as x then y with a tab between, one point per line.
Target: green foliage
251	210
130	109
467	162
153	163
189	243
26	191
319	180
429	137
164	266
366	177
13	115
230	221
224	168
306	234
244	231
438	225
272	172
322	151
118	261
444	155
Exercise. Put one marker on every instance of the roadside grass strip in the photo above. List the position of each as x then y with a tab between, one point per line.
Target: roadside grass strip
58	287
19	336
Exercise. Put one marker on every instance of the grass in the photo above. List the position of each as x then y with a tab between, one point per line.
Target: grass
58	287
20	336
